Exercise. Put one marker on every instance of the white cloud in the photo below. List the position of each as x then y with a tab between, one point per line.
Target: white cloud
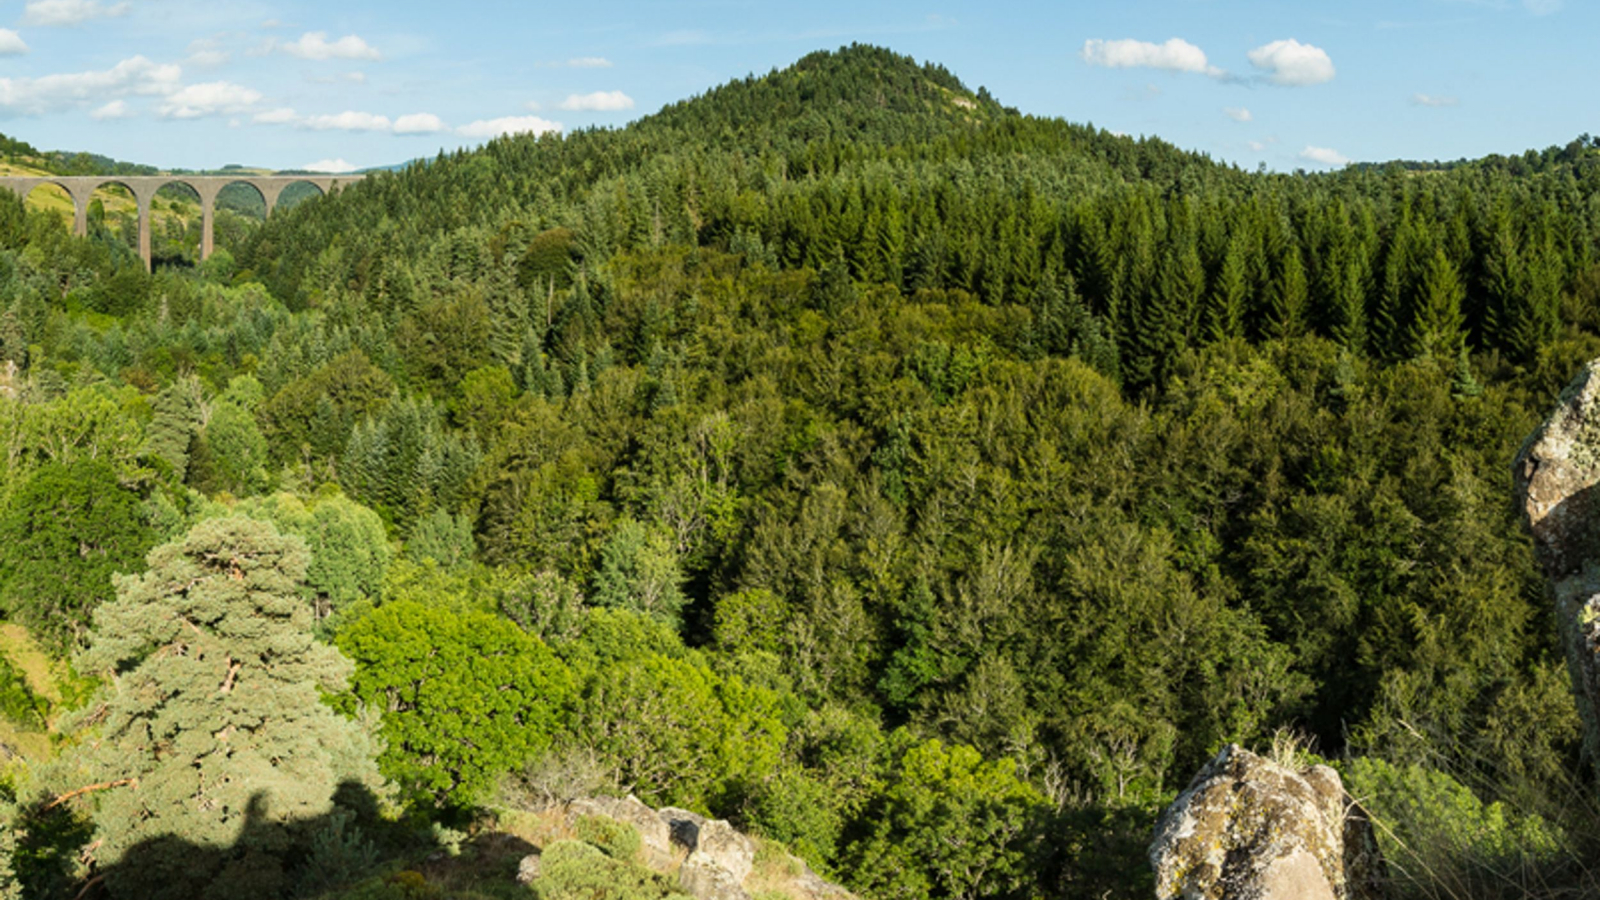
1542	7
590	62
281	116
1176	55
1324	156
419	123
1238	113
340	78
330	166
1432	100
533	105
116	109
603	101
208	99
1289	62
488	128
69	12
315	45
1256	146
348	121
206	52
11	43
133	76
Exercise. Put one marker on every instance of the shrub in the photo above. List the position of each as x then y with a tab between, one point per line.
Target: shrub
573	870
619	840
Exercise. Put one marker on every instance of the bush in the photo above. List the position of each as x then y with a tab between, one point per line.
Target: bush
619	840
1441	841
573	870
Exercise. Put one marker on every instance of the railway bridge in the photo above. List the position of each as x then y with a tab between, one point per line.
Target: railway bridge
143	187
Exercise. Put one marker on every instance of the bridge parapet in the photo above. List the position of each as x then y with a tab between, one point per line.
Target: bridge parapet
82	187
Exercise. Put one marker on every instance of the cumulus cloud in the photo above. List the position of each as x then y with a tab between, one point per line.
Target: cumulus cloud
11	43
1176	55
208	99
330	166
133	76
489	128
280	116
349	120
1324	156
1432	100
602	101
315	45
1238	113
1256	146
116	109
589	62
1291	63
49	13
352	120
419	123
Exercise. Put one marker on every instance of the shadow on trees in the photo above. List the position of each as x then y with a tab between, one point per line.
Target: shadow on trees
268	859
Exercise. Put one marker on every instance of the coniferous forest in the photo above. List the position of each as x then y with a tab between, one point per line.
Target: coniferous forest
925	487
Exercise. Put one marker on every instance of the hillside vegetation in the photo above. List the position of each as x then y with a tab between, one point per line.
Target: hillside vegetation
923	486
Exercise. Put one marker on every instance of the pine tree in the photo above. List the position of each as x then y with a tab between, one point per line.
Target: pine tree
212	731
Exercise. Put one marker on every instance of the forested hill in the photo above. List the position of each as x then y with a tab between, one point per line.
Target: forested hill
925	486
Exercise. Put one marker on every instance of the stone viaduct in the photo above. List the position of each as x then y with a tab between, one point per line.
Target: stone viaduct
144	187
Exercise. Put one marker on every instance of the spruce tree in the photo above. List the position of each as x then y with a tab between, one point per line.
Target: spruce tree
211	745
1439	329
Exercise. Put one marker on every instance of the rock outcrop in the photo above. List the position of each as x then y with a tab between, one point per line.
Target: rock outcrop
714	860
1556	474
1250	829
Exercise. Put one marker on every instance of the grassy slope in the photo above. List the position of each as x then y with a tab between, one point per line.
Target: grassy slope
19	647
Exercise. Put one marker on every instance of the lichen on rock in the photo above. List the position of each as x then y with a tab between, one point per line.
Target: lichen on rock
1556	474
1248	828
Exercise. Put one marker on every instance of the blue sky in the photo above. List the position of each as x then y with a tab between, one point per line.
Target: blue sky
282	83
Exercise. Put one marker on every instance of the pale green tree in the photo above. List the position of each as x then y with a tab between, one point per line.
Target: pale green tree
211	746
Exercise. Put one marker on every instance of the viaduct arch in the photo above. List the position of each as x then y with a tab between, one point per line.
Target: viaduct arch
81	187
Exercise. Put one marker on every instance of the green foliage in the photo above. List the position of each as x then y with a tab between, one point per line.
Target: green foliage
949	825
311	417
217	695
174	424
403	462
64	533
1441	838
338	853
10	887
18	703
231	453
639	572
618	840
465	697
350	552
444	538
573	870
677	733
904	409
